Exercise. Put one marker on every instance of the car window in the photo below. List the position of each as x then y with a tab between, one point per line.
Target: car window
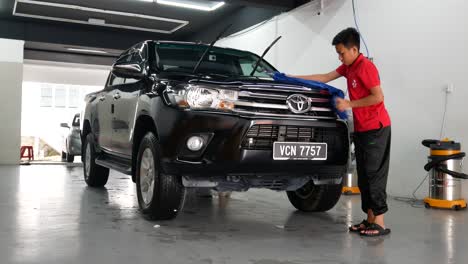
247	67
124	58
130	80
76	121
177	57
114	80
137	55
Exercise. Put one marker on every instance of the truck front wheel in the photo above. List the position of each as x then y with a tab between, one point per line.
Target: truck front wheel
315	198
94	175
160	195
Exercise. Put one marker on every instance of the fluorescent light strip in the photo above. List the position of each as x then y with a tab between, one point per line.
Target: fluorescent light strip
182	23
192	6
87	50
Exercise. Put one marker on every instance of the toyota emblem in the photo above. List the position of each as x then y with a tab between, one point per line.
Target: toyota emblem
298	103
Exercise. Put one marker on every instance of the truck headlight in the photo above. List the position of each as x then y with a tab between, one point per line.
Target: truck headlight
199	97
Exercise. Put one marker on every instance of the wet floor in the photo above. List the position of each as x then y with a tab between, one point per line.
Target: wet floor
49	215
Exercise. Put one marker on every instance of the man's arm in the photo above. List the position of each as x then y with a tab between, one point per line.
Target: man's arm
327	77
375	97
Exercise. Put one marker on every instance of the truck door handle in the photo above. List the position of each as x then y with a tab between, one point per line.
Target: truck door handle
102	98
112	108
117	96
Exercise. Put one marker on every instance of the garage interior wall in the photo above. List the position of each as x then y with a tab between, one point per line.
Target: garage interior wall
11	78
65	73
408	41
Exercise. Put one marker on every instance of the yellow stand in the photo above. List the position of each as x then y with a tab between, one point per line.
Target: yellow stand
351	190
436	203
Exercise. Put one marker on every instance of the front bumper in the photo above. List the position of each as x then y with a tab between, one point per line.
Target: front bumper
228	155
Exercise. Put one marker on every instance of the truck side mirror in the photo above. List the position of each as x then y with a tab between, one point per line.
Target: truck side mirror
128	70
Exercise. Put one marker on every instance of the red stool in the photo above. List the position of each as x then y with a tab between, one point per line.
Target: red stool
30	154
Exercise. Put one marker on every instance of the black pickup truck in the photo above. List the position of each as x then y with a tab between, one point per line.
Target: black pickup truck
227	126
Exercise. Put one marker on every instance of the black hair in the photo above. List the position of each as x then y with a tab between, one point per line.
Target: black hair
348	37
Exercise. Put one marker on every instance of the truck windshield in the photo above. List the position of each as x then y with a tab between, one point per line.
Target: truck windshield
175	57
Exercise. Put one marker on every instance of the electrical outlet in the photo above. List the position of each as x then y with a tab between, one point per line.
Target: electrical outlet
449	88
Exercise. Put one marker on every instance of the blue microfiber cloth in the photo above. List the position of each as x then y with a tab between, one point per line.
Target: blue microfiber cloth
335	92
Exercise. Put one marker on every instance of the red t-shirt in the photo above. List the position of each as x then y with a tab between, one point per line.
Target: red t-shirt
361	76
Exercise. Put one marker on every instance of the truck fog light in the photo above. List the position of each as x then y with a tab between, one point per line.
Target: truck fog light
195	143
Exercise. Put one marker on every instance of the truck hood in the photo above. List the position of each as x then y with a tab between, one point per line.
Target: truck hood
237	82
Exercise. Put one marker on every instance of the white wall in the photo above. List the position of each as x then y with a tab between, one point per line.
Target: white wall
65	73
419	47
11	67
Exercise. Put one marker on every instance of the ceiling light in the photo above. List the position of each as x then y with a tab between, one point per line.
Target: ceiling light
87	50
199	5
96	21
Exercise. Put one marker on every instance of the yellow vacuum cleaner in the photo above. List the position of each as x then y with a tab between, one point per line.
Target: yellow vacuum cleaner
350	185
445	168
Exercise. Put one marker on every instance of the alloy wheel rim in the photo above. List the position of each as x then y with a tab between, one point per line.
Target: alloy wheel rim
147	171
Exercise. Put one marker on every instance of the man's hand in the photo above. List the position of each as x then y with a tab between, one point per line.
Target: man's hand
375	97
327	77
342	104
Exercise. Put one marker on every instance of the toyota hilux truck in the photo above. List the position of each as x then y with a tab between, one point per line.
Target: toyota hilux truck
178	115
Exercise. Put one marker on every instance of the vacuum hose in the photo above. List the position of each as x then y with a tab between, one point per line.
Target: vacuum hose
436	164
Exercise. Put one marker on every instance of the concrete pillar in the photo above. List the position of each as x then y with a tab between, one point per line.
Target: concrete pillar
11	79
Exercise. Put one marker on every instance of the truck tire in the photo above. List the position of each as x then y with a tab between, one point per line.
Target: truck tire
315	198
94	175
70	158
160	195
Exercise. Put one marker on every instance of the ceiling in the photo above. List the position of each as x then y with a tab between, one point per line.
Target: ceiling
50	26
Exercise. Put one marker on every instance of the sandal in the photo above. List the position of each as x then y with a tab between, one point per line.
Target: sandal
376	230
357	227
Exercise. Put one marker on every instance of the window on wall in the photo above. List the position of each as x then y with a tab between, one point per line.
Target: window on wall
46	97
73	97
63	95
60	97
59	103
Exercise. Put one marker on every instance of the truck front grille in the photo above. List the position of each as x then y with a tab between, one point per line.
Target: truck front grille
271	100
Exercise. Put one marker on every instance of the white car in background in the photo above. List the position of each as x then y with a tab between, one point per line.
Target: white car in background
71	140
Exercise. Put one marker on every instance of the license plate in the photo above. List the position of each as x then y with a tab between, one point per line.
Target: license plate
299	151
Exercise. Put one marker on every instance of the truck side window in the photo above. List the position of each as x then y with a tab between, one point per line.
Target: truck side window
114	80
134	58
138	56
76	121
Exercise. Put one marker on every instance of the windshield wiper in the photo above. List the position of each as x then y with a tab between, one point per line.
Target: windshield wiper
263	55
209	48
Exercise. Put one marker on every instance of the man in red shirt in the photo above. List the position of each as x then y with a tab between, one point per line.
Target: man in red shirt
372	133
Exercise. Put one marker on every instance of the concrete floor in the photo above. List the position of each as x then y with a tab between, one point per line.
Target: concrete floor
48	215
